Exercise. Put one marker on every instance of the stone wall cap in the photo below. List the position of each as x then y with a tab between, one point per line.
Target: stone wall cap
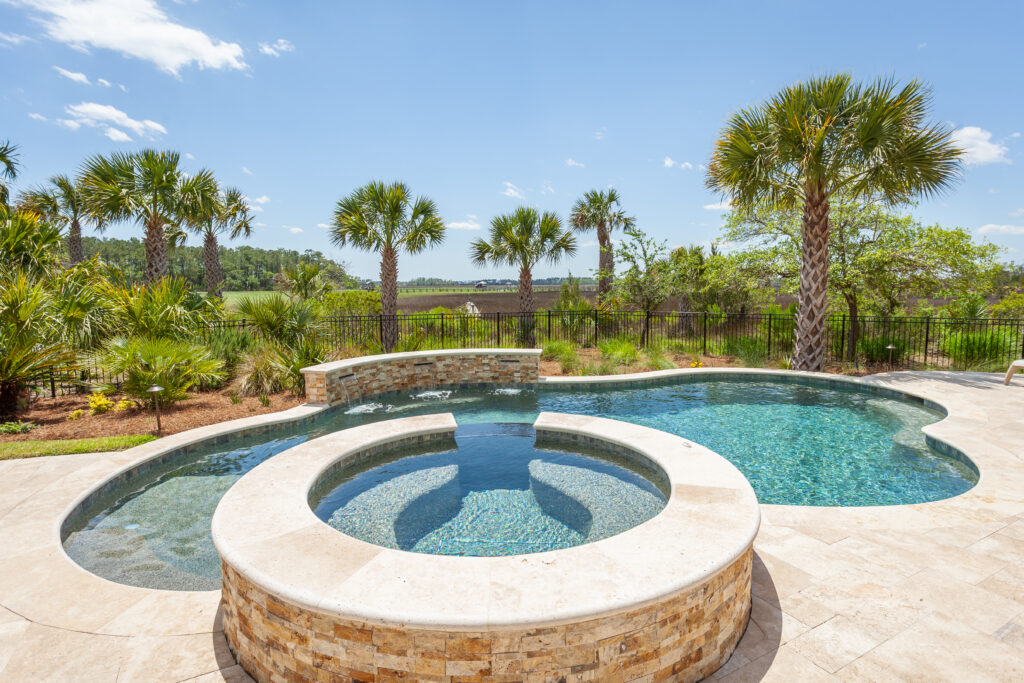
334	366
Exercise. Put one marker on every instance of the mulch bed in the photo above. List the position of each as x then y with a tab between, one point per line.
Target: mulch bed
50	416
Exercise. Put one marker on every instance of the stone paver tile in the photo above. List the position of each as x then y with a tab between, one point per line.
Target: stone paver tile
895	559
1012	633
232	674
963	535
1015	530
946	595
962	563
878	609
737	661
814	557
806	609
774	578
1008	582
1002	546
174	658
769	628
11	634
181	613
941	649
52	654
784	665
836	643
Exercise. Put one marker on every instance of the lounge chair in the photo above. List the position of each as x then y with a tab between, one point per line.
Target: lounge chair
1014	367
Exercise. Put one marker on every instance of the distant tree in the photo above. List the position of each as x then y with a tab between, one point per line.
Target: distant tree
304	281
524	238
649	279
147	187
816	139
228	213
386	218
61	203
599	210
8	168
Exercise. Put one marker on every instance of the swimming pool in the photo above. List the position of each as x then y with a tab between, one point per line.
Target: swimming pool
798	442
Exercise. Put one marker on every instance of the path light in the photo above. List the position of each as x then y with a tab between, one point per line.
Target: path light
891	347
155	390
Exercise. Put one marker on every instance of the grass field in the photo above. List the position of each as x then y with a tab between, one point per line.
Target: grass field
34	449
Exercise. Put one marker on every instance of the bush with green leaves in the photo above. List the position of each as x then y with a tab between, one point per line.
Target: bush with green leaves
16	427
752	351
980	349
230	344
876	349
348	302
619	351
175	365
563	352
278	318
1010	306
167	308
655	358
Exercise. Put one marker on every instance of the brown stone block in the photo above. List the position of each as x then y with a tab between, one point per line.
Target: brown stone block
356	635
467	648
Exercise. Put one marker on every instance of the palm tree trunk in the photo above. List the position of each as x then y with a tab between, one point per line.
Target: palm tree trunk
388	298
76	254
527	307
812	302
214	272
156	251
605	264
8	401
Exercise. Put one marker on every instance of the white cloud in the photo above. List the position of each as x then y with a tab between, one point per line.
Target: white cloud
262	199
75	76
993	229
599	134
323	225
470	223
103	115
512	191
136	28
259	225
1015	134
246	171
685	164
257	209
37	117
12	39
292	229
922	45
572	162
188	155
546	187
117	135
68	123
669	162
720	206
276	48
978	147
1018	212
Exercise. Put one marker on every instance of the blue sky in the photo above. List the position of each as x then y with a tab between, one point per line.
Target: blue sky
483	106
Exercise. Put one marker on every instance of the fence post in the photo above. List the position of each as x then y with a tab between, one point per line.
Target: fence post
499	329
380	331
595	327
442	331
704	335
769	336
549	324
927	331
842	340
53	386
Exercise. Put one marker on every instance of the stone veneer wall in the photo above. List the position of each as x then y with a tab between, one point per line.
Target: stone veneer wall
683	637
402	372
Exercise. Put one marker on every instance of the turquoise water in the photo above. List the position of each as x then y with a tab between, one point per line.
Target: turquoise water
798	444
495	493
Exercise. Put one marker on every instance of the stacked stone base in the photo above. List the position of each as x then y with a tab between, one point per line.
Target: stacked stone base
683	637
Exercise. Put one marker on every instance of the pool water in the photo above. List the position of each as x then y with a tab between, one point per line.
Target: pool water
797	443
495	493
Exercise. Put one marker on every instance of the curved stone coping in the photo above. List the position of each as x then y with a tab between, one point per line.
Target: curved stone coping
349	363
265	530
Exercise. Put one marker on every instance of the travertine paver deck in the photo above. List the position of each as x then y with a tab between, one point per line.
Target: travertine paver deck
921	592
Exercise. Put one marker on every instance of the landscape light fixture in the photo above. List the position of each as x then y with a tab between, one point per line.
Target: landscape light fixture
891	347
155	390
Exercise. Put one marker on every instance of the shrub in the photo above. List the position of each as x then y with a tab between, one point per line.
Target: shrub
124	404
348	302
258	373
604	367
876	349
1010	306
751	351
99	403
16	427
176	366
278	318
655	359
564	353
75	414
229	344
167	308
981	349
619	351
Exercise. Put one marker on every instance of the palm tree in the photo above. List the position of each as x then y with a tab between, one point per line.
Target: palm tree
386	218
598	210
306	281
150	188
61	203
228	213
815	139
8	168
524	238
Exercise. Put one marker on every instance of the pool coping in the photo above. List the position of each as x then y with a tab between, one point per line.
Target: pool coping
709	521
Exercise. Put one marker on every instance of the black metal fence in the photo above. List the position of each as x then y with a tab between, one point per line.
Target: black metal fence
754	338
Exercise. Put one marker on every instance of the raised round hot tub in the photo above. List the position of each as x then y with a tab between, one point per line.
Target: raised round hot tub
603	548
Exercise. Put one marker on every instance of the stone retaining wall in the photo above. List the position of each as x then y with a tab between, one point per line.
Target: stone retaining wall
352	379
683	637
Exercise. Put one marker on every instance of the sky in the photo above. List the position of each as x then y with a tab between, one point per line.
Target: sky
486	106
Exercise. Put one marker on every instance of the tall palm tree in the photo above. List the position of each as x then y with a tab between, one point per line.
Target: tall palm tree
599	210
8	168
228	213
524	238
386	218
829	135
61	203
149	188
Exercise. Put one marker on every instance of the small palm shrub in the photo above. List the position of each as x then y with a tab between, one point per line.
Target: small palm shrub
278	318
167	308
259	373
619	351
230	344
175	365
271	368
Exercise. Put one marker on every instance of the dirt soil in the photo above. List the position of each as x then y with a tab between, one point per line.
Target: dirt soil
50	415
